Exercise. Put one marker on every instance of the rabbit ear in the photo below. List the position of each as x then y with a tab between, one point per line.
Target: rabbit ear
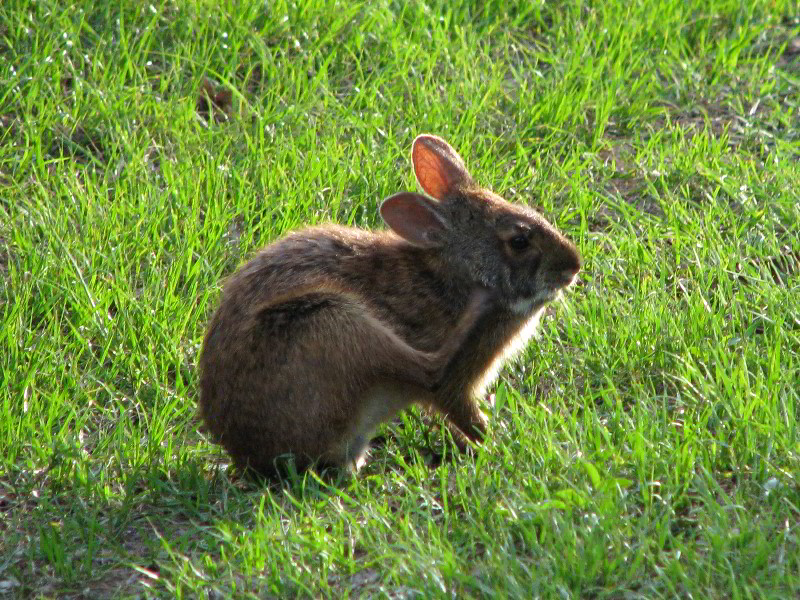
414	218
438	167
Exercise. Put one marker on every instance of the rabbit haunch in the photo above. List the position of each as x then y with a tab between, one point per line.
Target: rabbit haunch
328	332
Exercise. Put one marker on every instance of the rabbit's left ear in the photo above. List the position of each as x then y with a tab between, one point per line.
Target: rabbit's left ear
415	218
439	168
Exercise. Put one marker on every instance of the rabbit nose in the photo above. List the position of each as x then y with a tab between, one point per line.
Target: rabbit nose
564	272
566	268
571	263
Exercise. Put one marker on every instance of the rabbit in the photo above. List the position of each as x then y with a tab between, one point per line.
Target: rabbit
329	331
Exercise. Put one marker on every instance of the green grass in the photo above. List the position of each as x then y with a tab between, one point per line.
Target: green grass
645	446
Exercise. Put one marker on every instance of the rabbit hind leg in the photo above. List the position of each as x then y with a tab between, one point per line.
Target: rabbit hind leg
381	404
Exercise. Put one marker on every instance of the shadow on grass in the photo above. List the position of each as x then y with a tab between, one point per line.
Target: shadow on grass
79	526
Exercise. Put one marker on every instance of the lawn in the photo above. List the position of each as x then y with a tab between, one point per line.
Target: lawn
646	443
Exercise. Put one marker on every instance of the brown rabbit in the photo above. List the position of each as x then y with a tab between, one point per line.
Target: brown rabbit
331	330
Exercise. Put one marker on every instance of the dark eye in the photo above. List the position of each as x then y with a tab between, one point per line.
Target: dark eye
518	243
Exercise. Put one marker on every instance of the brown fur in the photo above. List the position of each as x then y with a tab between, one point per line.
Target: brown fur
329	331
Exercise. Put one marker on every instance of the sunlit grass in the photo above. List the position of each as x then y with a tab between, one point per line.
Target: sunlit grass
645	446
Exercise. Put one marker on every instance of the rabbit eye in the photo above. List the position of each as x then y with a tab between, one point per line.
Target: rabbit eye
518	243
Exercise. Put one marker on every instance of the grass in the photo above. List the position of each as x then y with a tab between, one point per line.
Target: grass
645	446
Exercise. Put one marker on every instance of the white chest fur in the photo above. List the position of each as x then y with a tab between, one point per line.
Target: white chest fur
517	344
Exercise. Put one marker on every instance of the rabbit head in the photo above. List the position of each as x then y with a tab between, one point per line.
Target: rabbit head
483	239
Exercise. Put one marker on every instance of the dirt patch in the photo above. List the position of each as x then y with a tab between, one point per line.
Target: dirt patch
81	145
358	583
214	102
628	181
755	132
780	268
5	257
792	51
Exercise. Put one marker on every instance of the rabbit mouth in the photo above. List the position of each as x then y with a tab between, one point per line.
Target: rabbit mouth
526	306
550	289
547	295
